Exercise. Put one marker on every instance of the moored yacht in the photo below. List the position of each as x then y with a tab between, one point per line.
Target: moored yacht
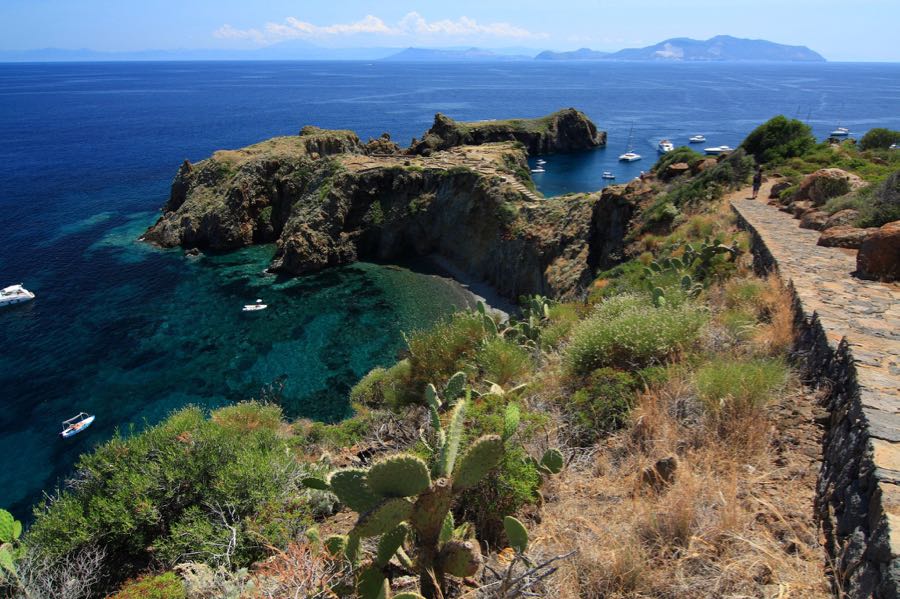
697	139
840	132
630	155
665	146
15	294
715	151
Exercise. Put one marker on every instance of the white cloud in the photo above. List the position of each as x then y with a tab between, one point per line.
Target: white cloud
413	25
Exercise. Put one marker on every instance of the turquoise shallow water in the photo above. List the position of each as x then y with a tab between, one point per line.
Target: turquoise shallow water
87	153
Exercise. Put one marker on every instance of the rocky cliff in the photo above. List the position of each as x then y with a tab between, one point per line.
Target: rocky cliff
324	202
567	130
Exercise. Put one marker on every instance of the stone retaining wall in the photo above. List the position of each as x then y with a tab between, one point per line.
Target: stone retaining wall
858	494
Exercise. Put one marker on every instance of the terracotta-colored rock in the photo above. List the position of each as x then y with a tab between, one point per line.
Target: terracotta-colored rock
842	218
814	219
676	169
844	237
705	164
879	254
800	208
827	183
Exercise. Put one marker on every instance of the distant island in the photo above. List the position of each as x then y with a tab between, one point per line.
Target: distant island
720	48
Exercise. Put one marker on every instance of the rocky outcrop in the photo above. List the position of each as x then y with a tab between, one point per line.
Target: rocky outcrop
469	204
842	218
382	145
879	254
813	219
844	237
827	183
567	130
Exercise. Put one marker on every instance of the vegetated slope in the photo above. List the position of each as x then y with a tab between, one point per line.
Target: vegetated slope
687	457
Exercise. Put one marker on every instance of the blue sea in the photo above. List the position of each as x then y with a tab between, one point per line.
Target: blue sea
130	333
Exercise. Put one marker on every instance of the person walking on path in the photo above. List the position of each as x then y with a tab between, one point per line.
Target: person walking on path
757	181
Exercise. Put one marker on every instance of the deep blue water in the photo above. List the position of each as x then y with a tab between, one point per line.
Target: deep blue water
87	152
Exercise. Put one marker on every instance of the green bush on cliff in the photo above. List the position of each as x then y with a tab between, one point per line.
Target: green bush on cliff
627	331
778	139
503	362
446	348
602	405
879	138
680	154
728	384
163	586
176	491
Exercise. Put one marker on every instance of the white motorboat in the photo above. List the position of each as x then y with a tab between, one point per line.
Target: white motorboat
541	161
715	151
607	175
630	155
840	132
665	146
15	294
894	147
538	170
697	139
255	307
76	424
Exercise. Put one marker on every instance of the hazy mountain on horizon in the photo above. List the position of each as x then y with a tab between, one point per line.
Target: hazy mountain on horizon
718	48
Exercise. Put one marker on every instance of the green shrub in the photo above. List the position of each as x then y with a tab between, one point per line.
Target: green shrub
680	154
560	321
879	138
438	352
727	384
778	139
629	332
603	405
503	362
883	205
188	476
164	586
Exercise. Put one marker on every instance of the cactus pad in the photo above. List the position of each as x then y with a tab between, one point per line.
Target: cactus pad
389	543
461	558
553	461
370	584
482	456
516	533
450	448
383	517
408	596
336	545
511	420
314	482
350	487
447	528
455	387
398	476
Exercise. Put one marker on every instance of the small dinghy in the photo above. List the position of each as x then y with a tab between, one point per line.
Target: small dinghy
76	424
255	307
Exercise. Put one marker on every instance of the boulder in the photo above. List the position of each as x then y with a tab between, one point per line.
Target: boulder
704	164
879	254
813	219
800	208
673	170
827	183
776	190
844	237
661	474
842	218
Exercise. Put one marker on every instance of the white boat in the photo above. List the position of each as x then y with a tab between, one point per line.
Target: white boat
894	147
697	139
255	307
715	151
607	175
538	170
630	155
665	146
541	161
840	132
76	424
15	294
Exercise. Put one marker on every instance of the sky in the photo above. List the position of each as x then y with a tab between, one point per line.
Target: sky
841	30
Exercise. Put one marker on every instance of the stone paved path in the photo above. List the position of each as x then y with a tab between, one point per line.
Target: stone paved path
866	313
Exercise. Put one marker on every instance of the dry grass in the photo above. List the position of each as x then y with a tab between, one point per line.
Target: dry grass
727	525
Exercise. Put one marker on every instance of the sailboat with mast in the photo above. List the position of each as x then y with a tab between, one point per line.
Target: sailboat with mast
630	155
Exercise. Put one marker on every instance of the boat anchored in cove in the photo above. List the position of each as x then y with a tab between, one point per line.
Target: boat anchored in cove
255	307
15	294
76	424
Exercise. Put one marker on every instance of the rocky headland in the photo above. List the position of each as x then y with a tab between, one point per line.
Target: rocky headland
466	195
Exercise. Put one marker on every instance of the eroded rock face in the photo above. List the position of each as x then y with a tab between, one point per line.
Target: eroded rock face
568	130
468	205
879	254
813	219
827	183
842	218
